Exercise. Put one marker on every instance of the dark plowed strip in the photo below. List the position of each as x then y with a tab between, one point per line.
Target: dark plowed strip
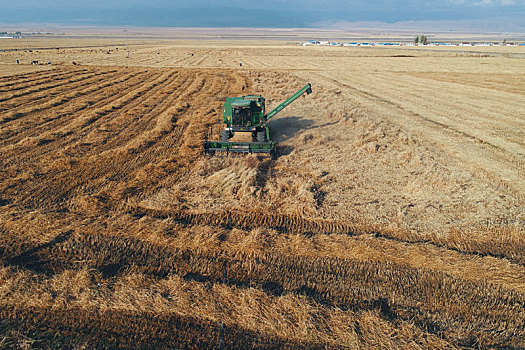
98	329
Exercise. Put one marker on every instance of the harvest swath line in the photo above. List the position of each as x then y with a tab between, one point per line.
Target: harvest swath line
11	80
14	77
57	84
56	119
125	171
62	95
168	143
15	85
60	114
56	89
51	83
132	115
108	105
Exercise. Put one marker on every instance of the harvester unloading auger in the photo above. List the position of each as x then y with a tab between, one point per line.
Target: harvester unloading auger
247	114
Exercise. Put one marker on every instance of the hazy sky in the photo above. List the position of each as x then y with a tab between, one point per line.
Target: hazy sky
267	13
395	5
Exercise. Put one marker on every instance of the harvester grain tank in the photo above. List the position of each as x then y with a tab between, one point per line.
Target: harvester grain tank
248	114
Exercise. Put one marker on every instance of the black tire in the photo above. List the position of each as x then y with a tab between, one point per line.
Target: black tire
254	136
261	136
225	135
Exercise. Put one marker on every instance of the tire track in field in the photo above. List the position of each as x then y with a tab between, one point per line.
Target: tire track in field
443	97
449	116
491	115
461	118
464	118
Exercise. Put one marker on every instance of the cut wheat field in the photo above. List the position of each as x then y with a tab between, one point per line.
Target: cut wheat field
393	216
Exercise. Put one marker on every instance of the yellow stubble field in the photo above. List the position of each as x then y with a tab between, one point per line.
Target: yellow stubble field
393	215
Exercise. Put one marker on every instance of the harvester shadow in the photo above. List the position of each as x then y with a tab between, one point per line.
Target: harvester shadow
323	125
283	129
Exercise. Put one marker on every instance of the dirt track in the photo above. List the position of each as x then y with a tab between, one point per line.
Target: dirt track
363	233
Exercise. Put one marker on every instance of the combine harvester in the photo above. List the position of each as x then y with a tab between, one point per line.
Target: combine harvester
247	114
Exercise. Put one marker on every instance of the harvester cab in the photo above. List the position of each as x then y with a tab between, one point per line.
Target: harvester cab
248	114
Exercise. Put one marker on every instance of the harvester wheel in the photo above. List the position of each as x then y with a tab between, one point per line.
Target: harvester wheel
261	136
225	135
254	136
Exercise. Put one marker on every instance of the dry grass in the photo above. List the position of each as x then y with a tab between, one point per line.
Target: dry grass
284	317
393	216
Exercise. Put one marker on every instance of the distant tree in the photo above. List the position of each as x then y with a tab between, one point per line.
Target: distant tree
504	41
423	39
416	39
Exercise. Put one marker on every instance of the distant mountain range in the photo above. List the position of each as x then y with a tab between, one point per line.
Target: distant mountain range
263	18
154	17
510	25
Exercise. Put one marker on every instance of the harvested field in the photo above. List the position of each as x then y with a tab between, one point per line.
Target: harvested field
393	217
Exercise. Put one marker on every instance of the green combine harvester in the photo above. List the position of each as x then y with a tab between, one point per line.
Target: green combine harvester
247	114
